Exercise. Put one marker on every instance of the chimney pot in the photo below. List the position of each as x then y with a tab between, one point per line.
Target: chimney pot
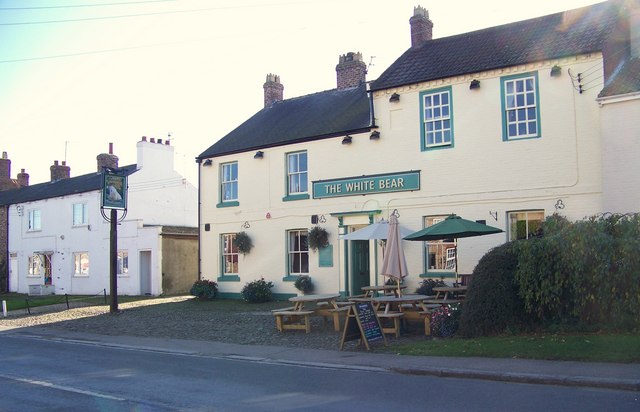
159	141
144	138
153	140
110	148
167	142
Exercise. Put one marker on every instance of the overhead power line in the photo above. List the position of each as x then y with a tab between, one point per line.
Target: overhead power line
124	16
77	6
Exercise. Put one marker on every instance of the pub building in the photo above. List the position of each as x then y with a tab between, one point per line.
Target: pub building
505	125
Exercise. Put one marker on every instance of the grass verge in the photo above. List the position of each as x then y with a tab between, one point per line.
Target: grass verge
17	301
621	347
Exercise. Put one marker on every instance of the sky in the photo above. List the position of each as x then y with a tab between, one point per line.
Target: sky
76	75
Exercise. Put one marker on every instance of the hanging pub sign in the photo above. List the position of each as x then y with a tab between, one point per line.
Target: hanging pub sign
114	190
364	185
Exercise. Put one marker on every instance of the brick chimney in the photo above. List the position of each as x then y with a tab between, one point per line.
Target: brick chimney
421	26
107	160
60	171
351	71
5	167
23	178
273	90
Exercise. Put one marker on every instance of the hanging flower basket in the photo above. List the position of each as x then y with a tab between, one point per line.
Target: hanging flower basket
318	238
243	242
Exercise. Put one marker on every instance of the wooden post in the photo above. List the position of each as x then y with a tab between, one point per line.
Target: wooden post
113	258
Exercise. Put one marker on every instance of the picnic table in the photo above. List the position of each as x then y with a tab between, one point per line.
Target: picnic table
448	294
297	316
373	291
410	307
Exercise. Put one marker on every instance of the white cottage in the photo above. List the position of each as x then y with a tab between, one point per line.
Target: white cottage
58	239
500	125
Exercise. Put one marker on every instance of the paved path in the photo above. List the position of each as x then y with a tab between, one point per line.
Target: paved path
602	375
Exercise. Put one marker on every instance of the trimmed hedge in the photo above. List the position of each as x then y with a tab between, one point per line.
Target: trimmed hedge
585	273
492	304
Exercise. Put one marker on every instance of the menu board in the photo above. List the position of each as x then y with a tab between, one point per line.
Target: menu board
362	323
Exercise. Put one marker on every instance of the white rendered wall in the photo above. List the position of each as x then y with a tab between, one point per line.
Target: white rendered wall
157	193
621	154
61	239
480	174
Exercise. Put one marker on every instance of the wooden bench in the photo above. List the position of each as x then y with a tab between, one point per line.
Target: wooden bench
293	319
394	317
421	316
329	311
283	309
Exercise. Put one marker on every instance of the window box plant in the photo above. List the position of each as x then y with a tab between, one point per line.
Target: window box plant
304	284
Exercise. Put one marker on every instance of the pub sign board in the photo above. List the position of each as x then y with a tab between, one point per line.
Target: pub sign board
114	190
364	185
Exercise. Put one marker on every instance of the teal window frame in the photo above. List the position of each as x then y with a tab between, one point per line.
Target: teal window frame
436	272
427	116
518	104
228	248
229	178
522	221
293	170
301	252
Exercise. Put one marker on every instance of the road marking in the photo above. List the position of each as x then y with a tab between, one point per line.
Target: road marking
61	387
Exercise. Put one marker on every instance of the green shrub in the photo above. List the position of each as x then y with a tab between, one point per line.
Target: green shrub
257	291
304	284
492	304
204	290
445	320
427	285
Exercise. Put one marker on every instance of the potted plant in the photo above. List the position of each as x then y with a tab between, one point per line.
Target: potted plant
318	238
243	242
304	284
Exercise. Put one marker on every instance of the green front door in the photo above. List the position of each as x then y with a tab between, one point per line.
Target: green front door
359	266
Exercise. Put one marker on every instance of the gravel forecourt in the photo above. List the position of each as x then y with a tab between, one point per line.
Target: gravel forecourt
183	317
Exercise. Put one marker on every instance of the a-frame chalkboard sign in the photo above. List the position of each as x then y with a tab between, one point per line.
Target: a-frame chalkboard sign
362	323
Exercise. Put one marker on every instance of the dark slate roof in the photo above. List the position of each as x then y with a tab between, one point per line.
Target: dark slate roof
623	81
311	117
58	188
554	36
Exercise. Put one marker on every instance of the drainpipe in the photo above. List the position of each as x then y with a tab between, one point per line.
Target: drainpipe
372	120
199	163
